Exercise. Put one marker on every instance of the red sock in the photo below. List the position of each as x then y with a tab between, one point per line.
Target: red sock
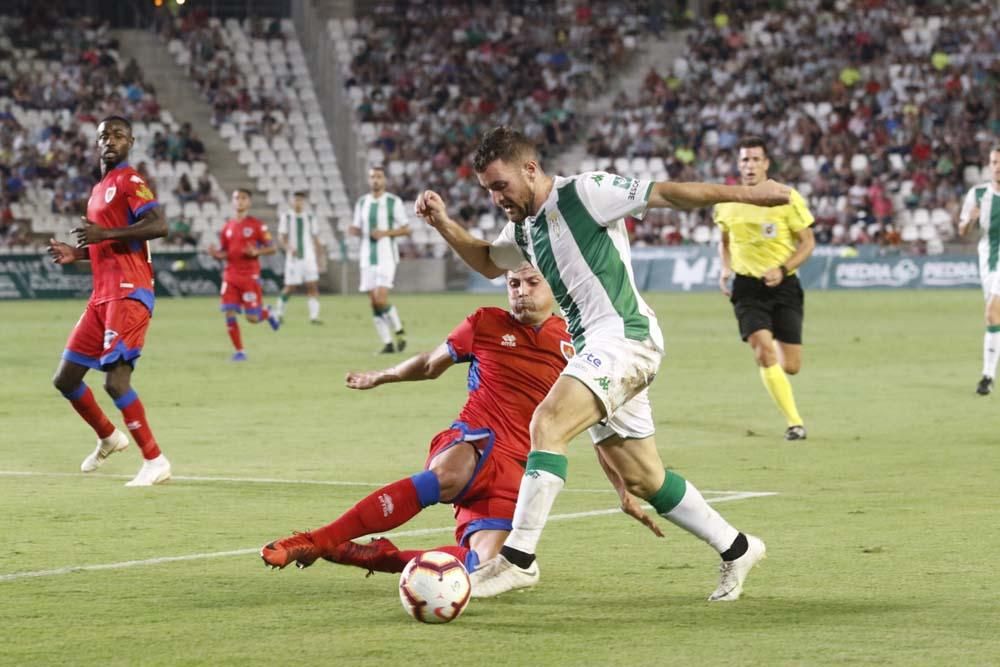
391	506
265	313
135	420
234	333
83	401
458	552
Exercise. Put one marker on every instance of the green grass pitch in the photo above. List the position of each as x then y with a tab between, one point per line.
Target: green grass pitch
882	538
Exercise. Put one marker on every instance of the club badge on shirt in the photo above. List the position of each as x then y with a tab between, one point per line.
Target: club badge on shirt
109	194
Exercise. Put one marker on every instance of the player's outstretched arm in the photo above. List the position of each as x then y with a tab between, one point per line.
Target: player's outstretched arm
475	252
687	196
152	225
424	366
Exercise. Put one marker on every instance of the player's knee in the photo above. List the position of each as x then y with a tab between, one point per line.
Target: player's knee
116	387
792	367
63	384
641	486
253	319
546	432
764	354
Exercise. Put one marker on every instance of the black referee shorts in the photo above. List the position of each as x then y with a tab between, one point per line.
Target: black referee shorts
777	309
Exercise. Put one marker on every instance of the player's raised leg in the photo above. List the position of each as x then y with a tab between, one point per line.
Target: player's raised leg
568	410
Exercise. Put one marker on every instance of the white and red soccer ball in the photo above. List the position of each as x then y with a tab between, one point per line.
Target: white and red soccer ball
434	587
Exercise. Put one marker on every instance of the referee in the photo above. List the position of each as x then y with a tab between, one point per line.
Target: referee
764	247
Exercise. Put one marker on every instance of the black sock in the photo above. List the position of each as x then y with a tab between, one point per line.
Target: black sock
524	560
735	550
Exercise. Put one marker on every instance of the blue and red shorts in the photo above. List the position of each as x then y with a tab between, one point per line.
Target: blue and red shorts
487	501
242	294
108	333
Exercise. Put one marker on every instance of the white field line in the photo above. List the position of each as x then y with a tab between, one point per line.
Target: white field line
730	496
253	480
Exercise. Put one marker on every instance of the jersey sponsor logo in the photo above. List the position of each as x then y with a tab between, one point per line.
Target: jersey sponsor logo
109	194
633	190
567	349
508	340
769	230
249	297
109	336
144	192
591	359
135	178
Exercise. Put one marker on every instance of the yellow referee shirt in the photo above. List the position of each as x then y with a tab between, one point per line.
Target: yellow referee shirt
762	237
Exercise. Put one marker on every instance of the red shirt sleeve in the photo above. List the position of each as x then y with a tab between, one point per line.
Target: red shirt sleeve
223	244
137	193
461	338
263	236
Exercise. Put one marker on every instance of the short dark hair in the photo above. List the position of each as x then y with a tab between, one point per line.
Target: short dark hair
377	167
502	143
117	119
299	193
753	141
245	191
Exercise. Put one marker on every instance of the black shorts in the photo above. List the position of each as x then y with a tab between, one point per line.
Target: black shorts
777	309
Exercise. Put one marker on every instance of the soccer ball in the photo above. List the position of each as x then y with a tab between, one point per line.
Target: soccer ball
434	587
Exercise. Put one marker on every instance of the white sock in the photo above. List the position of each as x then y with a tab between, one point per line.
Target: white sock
382	327
394	320
313	308
278	309
534	503
697	517
991	352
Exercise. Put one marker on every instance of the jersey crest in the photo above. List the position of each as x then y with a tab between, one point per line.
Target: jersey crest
567	349
109	194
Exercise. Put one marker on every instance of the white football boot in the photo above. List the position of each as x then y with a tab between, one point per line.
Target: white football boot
498	575
732	573
152	472
115	442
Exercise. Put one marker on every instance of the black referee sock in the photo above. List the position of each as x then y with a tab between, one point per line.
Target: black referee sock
735	550
524	560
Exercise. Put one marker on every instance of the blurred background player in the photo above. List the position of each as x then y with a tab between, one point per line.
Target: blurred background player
982	207
764	246
122	216
243	239
379	219
298	236
478	462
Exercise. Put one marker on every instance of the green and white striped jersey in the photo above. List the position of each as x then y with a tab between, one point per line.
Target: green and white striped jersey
578	241
302	232
988	201
384	212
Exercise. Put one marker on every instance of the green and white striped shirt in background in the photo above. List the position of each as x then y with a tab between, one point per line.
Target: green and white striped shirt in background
579	242
386	212
302	231
988	201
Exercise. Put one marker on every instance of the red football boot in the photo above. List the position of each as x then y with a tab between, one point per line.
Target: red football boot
298	549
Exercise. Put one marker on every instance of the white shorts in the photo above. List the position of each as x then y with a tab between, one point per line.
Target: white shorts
991	281
298	271
380	275
618	371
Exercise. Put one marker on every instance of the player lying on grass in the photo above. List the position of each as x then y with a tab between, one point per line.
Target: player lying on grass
477	463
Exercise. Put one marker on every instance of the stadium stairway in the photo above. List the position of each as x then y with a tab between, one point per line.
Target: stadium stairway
177	93
653	52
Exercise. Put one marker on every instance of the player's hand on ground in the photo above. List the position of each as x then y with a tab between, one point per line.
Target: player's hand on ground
431	208
88	234
61	253
773	277
362	379
724	276
770	193
632	508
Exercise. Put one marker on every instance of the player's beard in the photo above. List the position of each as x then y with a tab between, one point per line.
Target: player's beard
524	310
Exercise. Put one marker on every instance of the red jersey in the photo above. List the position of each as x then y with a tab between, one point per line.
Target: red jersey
235	237
122	269
512	367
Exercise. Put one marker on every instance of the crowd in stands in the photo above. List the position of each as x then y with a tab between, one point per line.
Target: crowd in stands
59	76
882	112
427	79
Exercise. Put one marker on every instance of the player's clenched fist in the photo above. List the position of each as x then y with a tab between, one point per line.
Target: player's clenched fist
431	208
363	379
